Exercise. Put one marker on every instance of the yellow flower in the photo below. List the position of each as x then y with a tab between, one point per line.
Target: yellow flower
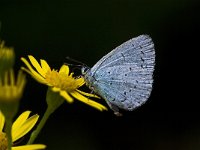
11	91
20	127
60	81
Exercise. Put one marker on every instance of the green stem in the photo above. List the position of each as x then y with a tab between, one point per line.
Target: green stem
40	126
8	132
54	100
9	109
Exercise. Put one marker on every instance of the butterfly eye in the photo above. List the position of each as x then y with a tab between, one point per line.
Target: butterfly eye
84	70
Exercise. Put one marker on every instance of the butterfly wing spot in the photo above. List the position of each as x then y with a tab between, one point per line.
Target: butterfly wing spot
123	56
129	107
123	100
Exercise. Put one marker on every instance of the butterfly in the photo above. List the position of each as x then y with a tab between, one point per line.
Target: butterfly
124	76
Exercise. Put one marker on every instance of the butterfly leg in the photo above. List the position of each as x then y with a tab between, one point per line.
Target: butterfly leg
114	108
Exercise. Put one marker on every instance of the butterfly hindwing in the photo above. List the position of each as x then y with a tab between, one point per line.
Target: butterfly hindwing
124	90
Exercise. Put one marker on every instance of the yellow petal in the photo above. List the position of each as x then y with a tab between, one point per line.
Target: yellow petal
36	76
20	77
25	127
36	65
21	81
64	69
44	65
29	147
6	78
20	120
80	81
87	94
66	96
2	121
32	72
88	101
12	78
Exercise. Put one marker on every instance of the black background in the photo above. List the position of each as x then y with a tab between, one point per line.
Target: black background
86	31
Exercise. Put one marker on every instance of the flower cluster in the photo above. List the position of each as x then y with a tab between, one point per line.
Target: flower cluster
62	86
11	91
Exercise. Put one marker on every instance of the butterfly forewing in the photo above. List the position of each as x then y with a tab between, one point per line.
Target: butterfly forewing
139	50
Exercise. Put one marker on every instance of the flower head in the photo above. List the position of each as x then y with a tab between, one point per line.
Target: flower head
11	90
20	127
7	57
60	81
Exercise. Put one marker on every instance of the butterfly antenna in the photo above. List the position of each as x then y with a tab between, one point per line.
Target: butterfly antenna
80	64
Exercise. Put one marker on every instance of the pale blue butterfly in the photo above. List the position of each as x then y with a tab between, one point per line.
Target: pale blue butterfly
124	77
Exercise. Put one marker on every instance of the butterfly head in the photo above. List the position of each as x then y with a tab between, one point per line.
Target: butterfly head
86	73
84	70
